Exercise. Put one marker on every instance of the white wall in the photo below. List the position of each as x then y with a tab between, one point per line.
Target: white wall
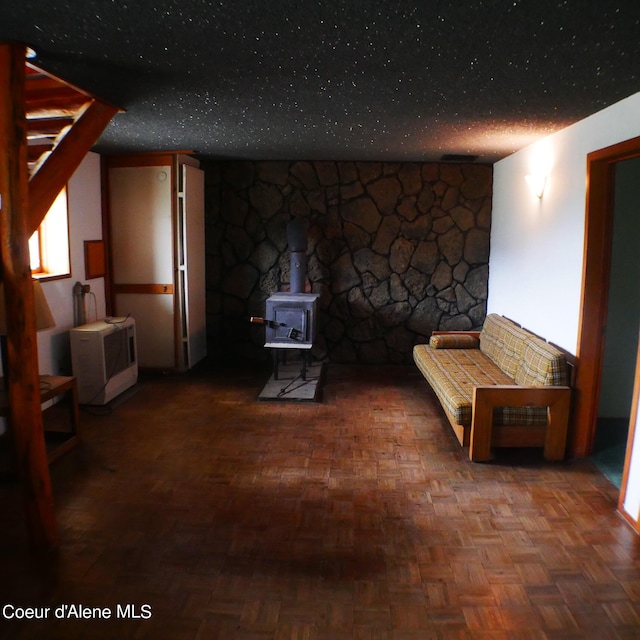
632	497
535	266
85	223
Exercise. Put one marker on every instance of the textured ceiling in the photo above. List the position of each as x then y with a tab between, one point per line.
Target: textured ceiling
341	79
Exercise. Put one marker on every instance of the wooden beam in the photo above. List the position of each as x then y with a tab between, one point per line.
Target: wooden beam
51	110
158	289
47	95
38	82
47	126
35	151
54	174
23	379
61	101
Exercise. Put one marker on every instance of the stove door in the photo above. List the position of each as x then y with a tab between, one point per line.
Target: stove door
290	326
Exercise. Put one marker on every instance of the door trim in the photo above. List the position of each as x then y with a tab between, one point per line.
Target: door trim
595	289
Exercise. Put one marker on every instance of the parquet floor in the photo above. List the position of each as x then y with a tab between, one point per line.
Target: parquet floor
358	517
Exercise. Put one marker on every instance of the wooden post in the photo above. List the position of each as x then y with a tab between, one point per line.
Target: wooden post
24	386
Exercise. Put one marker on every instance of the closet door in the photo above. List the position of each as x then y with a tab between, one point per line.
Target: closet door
140	206
191	265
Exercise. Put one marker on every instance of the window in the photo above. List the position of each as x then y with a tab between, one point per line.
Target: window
49	245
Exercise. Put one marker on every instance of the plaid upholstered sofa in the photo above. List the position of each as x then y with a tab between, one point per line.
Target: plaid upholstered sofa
500	387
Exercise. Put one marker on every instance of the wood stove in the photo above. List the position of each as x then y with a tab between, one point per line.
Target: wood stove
290	323
290	316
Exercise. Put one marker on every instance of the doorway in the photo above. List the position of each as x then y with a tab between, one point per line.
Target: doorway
622	320
597	272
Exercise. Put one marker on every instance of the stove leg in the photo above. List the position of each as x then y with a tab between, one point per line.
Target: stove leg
304	365
275	364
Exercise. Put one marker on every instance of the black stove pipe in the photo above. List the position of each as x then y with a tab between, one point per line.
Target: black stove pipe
297	238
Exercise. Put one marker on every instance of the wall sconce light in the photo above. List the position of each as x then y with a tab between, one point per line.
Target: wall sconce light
537	184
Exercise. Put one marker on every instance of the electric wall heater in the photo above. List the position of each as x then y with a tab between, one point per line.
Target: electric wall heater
104	359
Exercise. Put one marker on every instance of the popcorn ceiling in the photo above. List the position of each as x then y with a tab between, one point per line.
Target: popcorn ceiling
340	80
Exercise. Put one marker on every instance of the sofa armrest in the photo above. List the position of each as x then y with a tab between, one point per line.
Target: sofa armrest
487	397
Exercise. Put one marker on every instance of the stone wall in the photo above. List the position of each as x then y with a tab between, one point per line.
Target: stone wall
395	250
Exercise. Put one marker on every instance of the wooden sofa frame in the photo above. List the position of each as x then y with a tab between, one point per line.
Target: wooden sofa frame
482	435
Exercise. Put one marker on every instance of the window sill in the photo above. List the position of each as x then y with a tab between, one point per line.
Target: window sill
47	277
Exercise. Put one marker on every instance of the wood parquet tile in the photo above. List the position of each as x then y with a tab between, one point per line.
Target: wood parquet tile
358	517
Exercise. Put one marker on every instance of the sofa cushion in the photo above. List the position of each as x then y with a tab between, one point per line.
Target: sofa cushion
528	359
520	416
453	373
504	342
542	364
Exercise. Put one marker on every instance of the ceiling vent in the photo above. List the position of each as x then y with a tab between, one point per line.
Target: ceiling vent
458	157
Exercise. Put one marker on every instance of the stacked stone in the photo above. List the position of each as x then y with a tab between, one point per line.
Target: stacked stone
395	250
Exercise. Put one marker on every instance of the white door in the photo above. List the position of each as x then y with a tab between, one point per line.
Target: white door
140	201
192	267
